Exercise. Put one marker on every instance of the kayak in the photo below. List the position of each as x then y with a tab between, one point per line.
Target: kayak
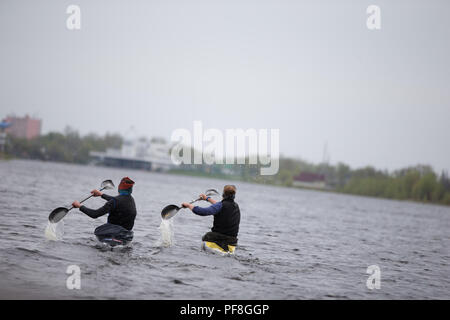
213	247
112	242
113	235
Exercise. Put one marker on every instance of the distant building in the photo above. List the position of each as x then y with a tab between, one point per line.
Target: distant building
3	126
24	127
142	154
310	180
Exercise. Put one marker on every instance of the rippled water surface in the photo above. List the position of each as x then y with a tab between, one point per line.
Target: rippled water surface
293	244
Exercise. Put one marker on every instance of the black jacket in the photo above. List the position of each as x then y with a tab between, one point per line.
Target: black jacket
227	220
121	209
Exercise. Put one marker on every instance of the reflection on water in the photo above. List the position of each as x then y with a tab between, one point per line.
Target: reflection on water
293	244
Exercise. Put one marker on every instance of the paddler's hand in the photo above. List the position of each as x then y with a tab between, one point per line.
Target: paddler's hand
187	205
76	204
96	193
202	196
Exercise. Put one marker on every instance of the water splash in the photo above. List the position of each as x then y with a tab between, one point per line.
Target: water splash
54	231
167	234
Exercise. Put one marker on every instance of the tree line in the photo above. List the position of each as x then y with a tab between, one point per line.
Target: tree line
418	183
68	146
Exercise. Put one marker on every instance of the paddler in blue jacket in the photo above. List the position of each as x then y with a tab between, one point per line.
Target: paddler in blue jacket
227	217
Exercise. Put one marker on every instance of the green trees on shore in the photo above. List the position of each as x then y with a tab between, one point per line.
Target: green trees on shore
69	146
419	183
415	183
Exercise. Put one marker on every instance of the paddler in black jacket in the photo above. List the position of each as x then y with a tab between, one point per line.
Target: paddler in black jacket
227	217
121	210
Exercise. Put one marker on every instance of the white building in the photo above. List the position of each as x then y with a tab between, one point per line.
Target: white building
151	155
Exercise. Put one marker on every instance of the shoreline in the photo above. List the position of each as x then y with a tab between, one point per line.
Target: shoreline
176	172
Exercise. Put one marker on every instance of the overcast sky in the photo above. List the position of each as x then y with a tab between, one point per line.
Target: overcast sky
309	68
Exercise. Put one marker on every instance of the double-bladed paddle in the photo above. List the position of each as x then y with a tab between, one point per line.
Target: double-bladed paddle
171	210
59	213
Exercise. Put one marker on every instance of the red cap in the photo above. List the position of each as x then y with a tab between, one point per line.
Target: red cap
126	183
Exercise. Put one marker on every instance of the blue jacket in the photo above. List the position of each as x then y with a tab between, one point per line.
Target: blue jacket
227	216
209	211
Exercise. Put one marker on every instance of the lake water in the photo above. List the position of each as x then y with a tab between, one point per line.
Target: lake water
293	244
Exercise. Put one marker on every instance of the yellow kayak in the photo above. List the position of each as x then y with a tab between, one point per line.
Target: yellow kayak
213	247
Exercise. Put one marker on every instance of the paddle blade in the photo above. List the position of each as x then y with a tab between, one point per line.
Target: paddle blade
107	184
57	214
169	211
211	192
